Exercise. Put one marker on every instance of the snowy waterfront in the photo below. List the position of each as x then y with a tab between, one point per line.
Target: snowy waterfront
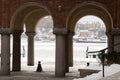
47	49
45	52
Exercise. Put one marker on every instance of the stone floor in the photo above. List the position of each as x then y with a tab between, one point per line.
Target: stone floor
26	75
37	76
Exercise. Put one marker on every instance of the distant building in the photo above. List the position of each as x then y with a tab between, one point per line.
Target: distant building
84	33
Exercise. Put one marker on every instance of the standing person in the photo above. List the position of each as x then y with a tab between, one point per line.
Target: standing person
23	51
87	52
87	55
39	67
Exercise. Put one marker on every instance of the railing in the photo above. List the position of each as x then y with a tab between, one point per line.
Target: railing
103	57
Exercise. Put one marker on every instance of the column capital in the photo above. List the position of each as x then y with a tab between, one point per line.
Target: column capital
17	32
71	33
60	31
30	33
6	31
115	31
108	33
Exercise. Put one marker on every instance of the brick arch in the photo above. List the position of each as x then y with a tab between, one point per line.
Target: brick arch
89	8
28	11
32	18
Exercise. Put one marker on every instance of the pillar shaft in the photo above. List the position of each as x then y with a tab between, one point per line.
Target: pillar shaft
30	48
60	64
114	38
116	41
110	42
70	49
16	66
5	51
67	54
5	54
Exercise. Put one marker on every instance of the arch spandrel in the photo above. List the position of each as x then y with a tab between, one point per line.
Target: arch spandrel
32	19
90	8
22	14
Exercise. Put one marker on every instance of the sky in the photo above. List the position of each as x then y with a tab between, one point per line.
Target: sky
90	19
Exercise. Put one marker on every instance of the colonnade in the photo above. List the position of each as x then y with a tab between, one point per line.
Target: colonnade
64	50
17	50
5	50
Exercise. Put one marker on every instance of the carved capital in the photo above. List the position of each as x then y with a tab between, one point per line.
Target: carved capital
115	31
17	32
60	31
30	33
6	31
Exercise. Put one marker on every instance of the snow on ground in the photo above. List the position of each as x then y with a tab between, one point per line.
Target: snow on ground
109	70
50	66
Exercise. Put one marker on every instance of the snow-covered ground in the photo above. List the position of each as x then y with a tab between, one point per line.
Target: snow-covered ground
49	66
109	70
45	52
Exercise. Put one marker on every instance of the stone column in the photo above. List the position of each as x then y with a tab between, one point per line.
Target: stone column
30	48
110	42
5	51
116	39
16	66
60	63
66	53
70	48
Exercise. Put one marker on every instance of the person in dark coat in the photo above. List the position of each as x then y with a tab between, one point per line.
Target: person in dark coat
39	67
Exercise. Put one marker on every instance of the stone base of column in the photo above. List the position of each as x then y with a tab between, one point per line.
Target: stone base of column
67	70
59	74
71	62
5	70
16	68
4	73
60	68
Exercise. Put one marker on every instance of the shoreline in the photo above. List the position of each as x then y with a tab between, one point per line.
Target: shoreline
50	65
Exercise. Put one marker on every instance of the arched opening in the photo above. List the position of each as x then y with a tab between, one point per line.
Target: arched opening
89	8
45	43
79	12
90	35
24	22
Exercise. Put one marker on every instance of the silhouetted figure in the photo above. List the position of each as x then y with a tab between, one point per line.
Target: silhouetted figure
87	52
39	67
88	63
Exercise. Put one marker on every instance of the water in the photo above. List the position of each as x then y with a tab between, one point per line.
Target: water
46	50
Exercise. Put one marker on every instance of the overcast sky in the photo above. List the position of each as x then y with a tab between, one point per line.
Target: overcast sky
90	19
